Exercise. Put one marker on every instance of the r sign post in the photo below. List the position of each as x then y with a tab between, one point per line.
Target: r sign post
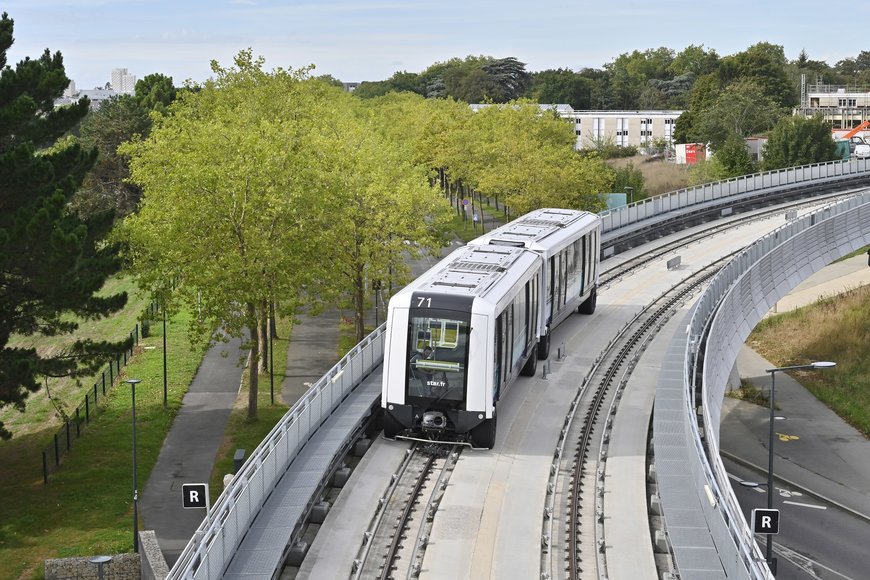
195	496
766	521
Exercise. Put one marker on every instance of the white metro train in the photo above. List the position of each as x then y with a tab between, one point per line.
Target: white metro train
460	334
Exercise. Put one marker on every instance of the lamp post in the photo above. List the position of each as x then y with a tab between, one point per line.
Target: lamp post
100	561
165	383
133	383
768	555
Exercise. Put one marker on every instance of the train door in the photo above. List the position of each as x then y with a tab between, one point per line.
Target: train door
563	258
555	284
499	357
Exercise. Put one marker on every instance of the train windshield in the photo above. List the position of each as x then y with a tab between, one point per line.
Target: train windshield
439	353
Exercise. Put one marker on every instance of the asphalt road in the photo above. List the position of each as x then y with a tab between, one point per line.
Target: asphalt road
816	540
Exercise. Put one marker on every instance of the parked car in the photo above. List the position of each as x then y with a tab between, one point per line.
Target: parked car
861	148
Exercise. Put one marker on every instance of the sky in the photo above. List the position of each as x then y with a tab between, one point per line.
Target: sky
371	39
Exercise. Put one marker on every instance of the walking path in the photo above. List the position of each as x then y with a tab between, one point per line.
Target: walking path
189	452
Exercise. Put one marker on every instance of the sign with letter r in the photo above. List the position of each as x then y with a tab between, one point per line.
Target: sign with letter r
194	495
765	521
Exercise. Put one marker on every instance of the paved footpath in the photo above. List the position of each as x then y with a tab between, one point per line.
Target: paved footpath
189	452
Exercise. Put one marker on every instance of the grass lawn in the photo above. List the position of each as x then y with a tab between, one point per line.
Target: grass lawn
836	329
86	508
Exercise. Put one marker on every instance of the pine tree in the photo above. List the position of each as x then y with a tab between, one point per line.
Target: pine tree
51	262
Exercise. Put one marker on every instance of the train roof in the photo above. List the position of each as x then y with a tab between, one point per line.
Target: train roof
541	230
473	270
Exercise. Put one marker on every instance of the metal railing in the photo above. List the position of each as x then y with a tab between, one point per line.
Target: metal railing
754	184
219	535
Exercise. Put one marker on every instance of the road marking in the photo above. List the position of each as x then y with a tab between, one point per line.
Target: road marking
809	505
786	438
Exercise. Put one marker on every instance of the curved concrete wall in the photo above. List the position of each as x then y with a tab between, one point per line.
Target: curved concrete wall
737	298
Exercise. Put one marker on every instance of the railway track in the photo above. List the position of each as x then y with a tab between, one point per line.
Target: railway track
396	540
572	532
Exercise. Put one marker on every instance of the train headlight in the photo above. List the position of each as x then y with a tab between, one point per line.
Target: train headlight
390	407
480	416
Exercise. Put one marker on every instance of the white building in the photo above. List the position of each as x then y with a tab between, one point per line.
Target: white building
123	82
623	128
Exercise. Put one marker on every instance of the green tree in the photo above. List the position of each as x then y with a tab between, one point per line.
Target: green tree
734	157
374	197
561	86
155	92
526	157
694	60
629	176
765	64
400	82
798	141
107	188
742	109
51	262
227	179
630	74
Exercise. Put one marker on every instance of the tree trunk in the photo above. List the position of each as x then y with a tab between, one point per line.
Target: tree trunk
253	375
263	328
359	303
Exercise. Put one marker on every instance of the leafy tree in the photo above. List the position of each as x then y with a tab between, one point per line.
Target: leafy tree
672	93
51	262
742	109
227	181
373	198
155	92
601	95
734	157
526	157
765	64
694	60
630	74
798	141
509	77
629	176
400	82
561	86
476	79
106	188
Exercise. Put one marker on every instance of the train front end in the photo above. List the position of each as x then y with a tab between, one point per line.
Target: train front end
428	387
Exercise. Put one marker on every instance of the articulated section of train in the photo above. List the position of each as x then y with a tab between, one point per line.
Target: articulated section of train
459	336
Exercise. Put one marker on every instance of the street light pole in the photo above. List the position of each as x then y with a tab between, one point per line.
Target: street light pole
165	383
768	553
133	383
